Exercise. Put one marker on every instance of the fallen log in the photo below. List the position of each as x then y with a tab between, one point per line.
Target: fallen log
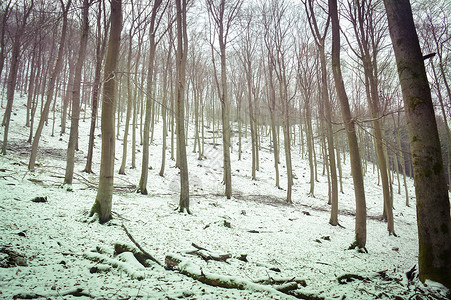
186	267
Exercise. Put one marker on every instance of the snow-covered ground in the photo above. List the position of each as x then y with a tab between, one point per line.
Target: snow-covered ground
280	240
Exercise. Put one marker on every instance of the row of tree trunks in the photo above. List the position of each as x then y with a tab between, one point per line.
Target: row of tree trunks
14	65
51	87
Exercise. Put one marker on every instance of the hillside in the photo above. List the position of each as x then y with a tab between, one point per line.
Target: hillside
48	248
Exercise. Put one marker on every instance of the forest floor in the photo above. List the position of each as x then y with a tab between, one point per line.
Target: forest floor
50	249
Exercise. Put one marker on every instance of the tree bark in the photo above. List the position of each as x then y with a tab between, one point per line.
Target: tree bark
142	188
433	207
73	136
103	203
181	56
356	163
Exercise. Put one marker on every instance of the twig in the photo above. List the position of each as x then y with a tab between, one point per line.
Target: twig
139	247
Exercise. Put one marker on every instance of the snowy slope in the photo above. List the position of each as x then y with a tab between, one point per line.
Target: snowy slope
280	240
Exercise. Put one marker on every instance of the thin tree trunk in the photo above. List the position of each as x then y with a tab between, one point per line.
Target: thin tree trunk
68	97
6	13
356	163
73	137
100	53
403	162
167	72
142	188
182	51
31	89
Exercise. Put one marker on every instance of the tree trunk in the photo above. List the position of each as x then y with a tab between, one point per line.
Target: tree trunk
165	104
272	108
182	51
356	163
100	53
310	145
225	124
403	163
73	137
31	88
103	203
67	98
6	13
330	139
433	207
129	106
142	188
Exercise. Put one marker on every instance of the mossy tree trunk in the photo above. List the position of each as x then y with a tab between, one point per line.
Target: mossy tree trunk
433	207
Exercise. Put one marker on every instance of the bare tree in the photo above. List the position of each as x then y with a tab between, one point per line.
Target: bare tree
306	78
320	41
277	31
181	57
154	22
100	46
73	137
433	207
222	14
369	28
167	76
356	162
248	50
103	203
136	24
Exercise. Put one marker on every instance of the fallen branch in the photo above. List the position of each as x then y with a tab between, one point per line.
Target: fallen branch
185	267
76	293
140	256
206	254
343	279
147	255
282	281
